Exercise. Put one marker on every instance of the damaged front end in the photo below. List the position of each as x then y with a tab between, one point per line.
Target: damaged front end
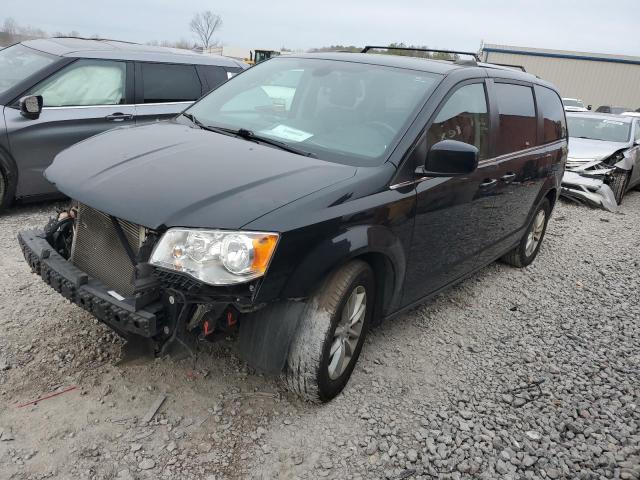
597	183
102	264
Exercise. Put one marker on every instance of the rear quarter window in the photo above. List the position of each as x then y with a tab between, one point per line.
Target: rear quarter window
163	83
554	126
517	117
215	76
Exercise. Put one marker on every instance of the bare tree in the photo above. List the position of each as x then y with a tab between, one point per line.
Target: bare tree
203	25
10	26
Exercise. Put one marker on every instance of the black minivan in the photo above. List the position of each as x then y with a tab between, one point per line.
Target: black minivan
303	201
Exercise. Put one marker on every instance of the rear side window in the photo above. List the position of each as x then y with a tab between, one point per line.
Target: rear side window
464	117
637	135
169	83
550	106
215	76
517	117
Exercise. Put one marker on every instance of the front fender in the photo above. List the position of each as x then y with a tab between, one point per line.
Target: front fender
352	242
627	161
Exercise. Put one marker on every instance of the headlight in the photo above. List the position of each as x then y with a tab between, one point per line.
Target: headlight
216	257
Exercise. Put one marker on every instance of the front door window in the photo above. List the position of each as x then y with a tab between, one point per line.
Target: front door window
84	83
465	118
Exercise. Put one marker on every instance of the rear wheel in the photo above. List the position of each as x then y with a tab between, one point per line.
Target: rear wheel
619	184
329	337
528	248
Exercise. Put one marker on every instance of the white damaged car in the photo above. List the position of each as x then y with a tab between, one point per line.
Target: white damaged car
604	158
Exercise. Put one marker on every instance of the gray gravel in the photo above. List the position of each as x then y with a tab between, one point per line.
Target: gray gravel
531	373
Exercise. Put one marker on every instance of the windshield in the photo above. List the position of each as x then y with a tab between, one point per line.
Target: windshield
339	111
570	102
599	129
18	62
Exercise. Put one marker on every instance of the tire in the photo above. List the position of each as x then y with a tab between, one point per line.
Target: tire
619	184
8	181
5	194
523	254
312	371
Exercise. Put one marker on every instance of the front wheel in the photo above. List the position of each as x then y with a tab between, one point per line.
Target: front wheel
5	196
528	248
329	337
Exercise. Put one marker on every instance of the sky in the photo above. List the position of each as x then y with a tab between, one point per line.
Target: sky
592	26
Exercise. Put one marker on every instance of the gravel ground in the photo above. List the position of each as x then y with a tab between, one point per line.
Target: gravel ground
529	373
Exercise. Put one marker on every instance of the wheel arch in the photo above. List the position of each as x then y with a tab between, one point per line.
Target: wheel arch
549	191
375	244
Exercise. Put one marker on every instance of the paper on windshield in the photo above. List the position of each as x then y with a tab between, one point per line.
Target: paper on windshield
288	133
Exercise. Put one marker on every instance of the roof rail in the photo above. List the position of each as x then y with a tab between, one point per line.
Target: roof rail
453	52
509	65
96	39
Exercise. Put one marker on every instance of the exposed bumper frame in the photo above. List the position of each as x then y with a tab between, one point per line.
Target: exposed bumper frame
592	191
87	292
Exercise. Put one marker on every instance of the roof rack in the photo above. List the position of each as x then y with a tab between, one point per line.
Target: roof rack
96	39
453	52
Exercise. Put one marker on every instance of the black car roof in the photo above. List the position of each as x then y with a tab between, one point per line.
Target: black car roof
413	63
442	67
118	50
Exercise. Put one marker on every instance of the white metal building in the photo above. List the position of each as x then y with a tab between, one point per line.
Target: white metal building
596	78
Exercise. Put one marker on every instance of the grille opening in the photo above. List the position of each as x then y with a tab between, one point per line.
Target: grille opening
97	250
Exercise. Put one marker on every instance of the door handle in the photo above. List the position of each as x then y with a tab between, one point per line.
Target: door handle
488	183
508	178
119	117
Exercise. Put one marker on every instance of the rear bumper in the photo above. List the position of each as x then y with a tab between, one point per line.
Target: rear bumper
85	291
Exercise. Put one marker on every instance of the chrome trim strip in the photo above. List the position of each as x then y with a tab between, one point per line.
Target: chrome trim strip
165	103
526	151
408	183
89	106
117	105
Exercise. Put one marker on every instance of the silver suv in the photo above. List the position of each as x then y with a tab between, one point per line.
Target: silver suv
56	92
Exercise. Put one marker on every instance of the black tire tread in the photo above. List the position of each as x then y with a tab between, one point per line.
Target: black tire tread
4	190
513	258
516	257
301	372
8	177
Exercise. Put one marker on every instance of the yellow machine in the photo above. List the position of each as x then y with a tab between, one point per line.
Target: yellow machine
258	56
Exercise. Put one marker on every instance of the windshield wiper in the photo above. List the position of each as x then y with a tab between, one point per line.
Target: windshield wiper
248	135
223	131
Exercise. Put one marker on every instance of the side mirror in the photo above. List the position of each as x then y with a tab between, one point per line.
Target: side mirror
31	106
449	158
589	107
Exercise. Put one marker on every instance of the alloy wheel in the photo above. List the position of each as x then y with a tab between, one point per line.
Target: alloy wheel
347	333
535	234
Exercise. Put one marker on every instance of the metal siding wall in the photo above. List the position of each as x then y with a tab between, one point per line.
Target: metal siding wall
596	83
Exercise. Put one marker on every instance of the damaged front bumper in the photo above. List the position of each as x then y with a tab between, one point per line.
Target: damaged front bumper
87	292
588	181
589	190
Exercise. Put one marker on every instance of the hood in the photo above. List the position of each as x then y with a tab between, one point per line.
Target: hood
583	148
169	174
